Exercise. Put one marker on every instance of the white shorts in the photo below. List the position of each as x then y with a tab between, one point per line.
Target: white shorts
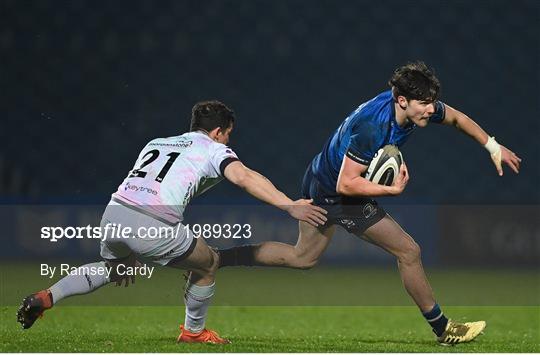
152	240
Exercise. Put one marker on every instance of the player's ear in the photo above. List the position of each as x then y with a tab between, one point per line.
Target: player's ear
220	131
402	101
215	133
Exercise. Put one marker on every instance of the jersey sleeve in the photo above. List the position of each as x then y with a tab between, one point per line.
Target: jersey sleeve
438	115
221	157
363	145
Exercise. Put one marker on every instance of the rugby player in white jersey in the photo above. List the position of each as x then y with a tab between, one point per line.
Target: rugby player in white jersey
168	173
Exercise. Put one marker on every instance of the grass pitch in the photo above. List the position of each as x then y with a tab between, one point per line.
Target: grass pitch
266	329
277	310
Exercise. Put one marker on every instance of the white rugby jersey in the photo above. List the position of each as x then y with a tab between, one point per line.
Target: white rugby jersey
169	172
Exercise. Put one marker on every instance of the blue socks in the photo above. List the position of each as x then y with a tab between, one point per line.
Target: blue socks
436	319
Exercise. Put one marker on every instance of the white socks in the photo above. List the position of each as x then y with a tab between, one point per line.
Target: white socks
197	300
88	278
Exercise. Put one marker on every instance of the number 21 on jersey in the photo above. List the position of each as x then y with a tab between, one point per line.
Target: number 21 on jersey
148	159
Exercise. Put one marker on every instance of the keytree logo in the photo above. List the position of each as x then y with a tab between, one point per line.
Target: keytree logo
136	188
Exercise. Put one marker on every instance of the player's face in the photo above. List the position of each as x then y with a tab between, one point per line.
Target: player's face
419	112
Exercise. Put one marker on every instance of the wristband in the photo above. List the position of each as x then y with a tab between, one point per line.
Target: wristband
492	146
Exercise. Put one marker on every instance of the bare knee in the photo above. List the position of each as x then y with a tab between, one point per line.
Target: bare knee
214	263
307	264
205	270
304	261
211	265
310	246
410	253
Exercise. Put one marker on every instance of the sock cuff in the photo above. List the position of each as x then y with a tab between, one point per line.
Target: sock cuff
56	293
434	314
201	292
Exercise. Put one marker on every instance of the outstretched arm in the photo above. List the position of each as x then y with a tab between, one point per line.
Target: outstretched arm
499	153
260	187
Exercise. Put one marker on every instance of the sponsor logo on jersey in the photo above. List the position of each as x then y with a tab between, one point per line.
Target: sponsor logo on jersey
181	144
136	188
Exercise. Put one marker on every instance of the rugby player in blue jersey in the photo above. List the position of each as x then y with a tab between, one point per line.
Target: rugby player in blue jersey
334	181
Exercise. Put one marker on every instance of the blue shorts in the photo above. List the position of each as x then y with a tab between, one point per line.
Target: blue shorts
355	214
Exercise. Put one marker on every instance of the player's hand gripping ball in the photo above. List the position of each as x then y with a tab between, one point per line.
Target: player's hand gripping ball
384	168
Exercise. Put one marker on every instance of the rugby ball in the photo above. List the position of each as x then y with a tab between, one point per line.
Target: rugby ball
384	167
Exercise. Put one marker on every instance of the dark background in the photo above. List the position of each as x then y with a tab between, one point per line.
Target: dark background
85	84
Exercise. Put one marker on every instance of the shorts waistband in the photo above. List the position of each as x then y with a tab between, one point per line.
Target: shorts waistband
143	211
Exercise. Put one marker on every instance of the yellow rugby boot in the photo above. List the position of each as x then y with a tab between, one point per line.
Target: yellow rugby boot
460	332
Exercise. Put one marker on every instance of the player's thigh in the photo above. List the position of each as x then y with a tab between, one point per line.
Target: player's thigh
389	235
312	241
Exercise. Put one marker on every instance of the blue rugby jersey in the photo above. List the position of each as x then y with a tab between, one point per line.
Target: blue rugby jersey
370	127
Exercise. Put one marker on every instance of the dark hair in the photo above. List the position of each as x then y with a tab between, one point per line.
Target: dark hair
415	81
208	115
